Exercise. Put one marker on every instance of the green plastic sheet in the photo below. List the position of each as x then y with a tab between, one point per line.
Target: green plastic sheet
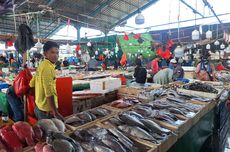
4	106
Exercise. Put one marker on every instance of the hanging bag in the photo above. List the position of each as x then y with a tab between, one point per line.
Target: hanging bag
21	82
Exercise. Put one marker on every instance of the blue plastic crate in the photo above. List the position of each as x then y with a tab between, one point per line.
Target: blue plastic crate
4	86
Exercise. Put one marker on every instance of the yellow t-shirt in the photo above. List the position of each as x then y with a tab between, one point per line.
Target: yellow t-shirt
44	82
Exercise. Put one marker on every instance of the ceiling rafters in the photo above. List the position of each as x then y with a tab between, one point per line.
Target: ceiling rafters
193	9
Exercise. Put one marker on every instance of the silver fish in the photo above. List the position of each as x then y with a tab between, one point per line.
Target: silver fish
113	143
136	132
131	120
123	139
99	148
154	126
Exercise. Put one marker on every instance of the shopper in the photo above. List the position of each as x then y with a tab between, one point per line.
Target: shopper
172	64
16	104
45	84
220	67
205	70
140	73
155	65
163	76
65	62
227	103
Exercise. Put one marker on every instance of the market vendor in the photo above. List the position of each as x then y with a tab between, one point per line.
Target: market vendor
44	82
205	70
155	65
172	64
163	76
178	71
140	73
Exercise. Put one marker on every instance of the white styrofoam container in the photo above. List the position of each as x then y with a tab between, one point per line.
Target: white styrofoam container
105	85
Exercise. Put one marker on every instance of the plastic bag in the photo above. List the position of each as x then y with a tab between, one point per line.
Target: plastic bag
21	82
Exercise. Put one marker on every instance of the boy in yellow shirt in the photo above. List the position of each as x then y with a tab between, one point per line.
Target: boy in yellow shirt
44	82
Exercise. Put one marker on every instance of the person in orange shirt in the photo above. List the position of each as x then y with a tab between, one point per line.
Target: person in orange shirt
155	65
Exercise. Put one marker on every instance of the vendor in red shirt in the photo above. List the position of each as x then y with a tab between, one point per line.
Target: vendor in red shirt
220	67
155	65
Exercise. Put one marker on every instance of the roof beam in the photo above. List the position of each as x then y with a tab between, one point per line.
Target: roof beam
133	13
206	3
100	7
119	10
130	3
53	30
194	10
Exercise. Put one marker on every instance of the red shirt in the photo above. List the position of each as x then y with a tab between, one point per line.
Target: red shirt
155	66
219	67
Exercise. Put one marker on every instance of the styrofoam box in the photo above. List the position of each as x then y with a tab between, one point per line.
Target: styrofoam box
105	85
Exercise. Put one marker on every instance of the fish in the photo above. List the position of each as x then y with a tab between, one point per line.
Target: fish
143	111
176	111
131	120
59	124
175	99
73	119
83	136
92	116
85	116
198	86
60	145
133	113
123	139
98	132
136	132
47	125
99	148
115	121
100	112
59	135
113	143
154	127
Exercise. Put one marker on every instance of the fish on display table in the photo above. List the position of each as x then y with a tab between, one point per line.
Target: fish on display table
137	132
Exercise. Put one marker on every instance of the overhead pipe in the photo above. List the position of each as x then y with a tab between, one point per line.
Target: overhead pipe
194	10
206	3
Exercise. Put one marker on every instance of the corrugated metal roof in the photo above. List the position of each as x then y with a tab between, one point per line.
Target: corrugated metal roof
97	14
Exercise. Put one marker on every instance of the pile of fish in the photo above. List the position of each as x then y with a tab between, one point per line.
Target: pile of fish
124	103
87	116
135	125
223	76
198	86
58	142
105	140
153	93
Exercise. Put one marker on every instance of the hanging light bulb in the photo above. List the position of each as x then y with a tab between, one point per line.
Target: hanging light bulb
208	46
216	43
208	34
96	52
139	19
38	45
195	35
89	44
79	52
222	46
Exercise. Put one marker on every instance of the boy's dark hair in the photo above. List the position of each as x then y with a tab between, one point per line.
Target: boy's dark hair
48	45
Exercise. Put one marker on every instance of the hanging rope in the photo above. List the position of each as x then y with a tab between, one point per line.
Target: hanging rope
178	19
